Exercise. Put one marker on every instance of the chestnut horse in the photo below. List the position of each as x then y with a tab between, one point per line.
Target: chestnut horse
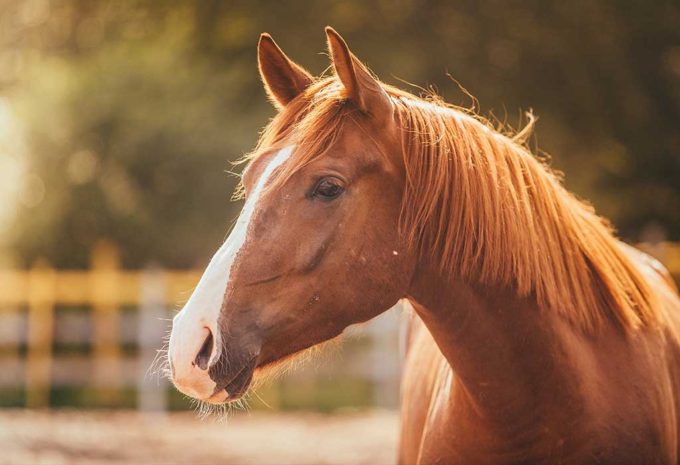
537	337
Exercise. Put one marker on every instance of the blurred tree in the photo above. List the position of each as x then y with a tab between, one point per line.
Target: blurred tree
130	138
132	110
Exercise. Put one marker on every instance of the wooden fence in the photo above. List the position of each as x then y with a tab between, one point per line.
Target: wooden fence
106	289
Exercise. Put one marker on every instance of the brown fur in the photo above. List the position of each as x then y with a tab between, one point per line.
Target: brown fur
464	179
539	337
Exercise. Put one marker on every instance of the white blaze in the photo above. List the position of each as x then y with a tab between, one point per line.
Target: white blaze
203	308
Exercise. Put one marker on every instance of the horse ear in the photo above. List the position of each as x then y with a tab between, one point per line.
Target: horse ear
283	79
361	87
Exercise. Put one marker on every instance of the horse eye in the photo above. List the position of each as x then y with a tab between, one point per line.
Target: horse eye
328	189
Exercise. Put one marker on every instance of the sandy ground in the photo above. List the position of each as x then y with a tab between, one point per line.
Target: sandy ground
114	437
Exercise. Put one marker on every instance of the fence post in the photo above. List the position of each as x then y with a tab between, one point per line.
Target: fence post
152	327
106	322
41	290
13	330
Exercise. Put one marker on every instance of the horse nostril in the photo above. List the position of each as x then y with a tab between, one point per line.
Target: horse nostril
203	357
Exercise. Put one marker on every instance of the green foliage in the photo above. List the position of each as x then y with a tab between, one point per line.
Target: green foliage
132	111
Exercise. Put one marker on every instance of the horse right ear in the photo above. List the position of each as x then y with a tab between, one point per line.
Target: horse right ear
283	79
360	86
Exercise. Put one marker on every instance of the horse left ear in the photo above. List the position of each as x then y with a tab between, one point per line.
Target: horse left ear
361	87
283	79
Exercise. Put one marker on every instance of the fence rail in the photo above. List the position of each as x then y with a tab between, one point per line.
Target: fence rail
103	284
106	289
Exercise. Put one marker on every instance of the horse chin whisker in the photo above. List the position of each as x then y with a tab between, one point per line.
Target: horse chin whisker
160	366
289	364
253	392
204	410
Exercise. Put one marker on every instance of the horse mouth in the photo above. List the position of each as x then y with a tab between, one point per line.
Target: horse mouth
236	388
238	385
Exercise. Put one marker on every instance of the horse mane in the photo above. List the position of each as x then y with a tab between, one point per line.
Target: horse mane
483	208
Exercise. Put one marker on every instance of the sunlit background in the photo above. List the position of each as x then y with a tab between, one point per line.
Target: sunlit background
119	123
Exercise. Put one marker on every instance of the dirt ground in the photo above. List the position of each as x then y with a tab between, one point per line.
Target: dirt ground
115	438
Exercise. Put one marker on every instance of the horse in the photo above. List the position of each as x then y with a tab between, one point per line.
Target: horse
536	335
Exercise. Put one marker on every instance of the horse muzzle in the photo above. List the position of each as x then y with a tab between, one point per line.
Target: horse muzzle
234	375
194	347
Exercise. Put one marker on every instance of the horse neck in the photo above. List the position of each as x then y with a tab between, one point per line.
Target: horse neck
504	349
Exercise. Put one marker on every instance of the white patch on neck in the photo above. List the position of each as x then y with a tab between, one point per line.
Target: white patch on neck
203	308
